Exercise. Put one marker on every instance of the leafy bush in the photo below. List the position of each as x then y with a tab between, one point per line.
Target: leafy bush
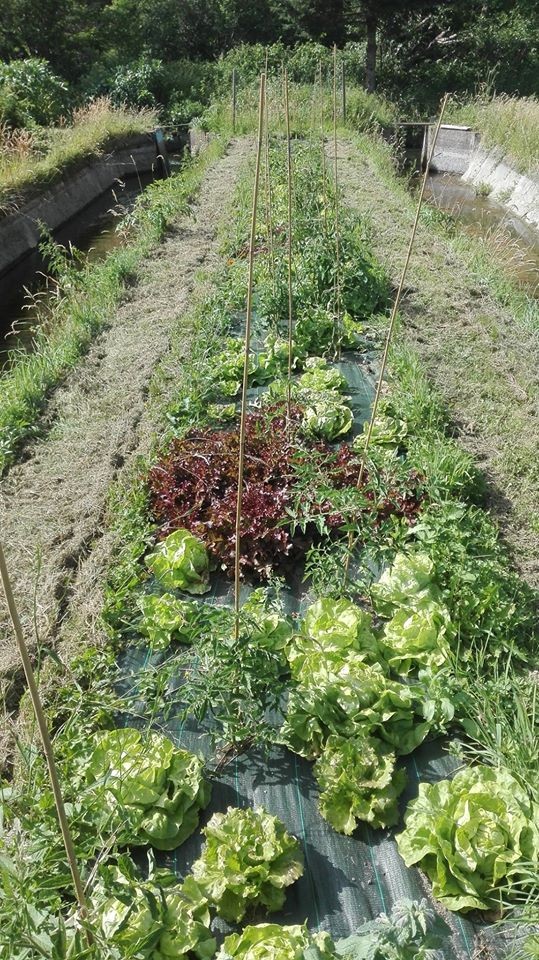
140	84
412	931
247	861
30	93
471	835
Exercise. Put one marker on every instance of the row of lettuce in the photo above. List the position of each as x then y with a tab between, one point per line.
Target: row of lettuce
406	644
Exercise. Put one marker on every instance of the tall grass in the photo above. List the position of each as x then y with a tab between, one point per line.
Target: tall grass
30	160
510	123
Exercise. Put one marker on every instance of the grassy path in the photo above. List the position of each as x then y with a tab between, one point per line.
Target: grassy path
484	364
52	505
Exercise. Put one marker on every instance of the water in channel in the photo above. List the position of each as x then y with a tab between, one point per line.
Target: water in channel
94	231
512	241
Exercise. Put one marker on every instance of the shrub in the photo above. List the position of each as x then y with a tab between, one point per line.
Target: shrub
30	93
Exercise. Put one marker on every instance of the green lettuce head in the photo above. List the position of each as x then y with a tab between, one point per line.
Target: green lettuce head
166	618
327	416
271	941
358	781
408	582
334	628
471	835
180	562
153	918
415	639
247	861
150	791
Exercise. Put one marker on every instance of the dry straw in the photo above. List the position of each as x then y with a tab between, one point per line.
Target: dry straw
247	348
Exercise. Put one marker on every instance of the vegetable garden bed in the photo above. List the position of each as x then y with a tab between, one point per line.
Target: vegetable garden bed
374	618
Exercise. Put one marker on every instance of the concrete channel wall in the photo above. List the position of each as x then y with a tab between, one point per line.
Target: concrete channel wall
459	150
19	231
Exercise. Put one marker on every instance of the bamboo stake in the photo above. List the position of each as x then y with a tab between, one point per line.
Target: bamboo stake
267	178
392	321
323	146
289	245
343	92
337	238
45	739
249	309
234	102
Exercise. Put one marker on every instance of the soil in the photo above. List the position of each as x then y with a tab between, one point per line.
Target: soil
53	504
482	361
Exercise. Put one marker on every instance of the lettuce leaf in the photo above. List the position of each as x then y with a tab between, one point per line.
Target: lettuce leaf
351	697
180	562
150	791
152	918
271	941
408	582
247	861
416	639
471	835
333	627
320	377
166	618
358	781
327	416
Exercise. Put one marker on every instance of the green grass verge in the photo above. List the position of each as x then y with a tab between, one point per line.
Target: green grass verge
91	296
31	161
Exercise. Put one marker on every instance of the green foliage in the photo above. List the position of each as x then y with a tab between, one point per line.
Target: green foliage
166	618
412	931
270	941
247	861
350	698
471	835
358	781
30	93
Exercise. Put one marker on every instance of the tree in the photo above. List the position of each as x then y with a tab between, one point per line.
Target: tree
372	13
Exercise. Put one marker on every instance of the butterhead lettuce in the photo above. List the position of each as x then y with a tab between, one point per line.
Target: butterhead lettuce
247	860
151	792
180	562
271	941
358	781
471	835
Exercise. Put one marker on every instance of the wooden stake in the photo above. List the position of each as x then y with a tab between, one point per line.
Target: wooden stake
289	245
45	739
337	238
249	309
234	102
343	92
267	178
392	321
323	146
